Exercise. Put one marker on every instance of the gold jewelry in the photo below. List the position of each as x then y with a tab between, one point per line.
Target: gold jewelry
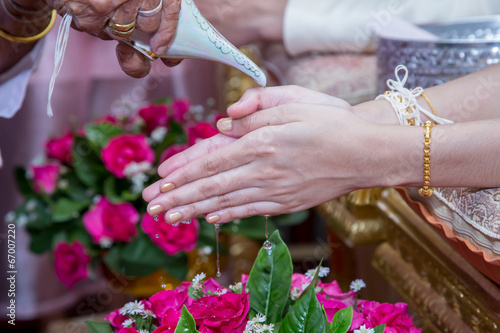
151	12
430	104
427	190
121	29
30	39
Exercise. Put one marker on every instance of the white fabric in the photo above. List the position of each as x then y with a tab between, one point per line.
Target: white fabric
350	26
13	83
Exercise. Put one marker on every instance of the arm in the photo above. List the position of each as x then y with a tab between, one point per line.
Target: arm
299	155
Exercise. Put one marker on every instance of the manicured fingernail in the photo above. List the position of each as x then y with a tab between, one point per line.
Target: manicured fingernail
167	187
155	210
175	217
225	124
126	55
213	219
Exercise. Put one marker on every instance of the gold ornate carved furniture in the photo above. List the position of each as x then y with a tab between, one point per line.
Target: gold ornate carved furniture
447	292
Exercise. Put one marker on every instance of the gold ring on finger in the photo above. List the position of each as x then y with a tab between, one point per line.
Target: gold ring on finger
125	28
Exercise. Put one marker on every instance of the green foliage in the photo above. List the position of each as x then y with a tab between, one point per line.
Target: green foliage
141	257
95	327
270	280
307	314
100	134
186	323
341	321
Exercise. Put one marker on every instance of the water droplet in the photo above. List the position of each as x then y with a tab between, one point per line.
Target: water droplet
163	286
217	243
267	245
267	231
156	218
157	236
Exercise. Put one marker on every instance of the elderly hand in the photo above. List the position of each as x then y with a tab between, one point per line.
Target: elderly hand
288	157
116	19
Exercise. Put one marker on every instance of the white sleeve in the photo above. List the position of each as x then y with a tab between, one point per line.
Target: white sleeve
14	82
350	26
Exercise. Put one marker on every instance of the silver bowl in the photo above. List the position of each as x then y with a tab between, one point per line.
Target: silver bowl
463	47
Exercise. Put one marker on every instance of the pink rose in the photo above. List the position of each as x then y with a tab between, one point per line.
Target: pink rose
202	130
107	220
172	150
60	148
124	149
154	116
45	177
212	285
168	299
180	107
171	239
128	330
244	280
169	321
71	263
116	319
107	119
395	316
332	291
221	314
299	280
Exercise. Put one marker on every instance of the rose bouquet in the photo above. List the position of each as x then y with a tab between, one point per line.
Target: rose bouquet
83	198
270	299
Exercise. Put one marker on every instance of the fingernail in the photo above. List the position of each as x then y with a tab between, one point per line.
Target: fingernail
167	187
161	50
155	210
225	124
175	217
213	219
126	55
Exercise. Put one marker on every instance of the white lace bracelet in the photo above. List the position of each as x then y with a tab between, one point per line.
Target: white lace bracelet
404	101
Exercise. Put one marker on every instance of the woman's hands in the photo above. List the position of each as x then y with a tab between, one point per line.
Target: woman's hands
289	157
94	17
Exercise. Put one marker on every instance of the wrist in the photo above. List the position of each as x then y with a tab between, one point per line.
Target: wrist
377	111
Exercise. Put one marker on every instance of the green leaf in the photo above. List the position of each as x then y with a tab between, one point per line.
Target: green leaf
290	219
186	322
88	165
141	257
41	240
307	314
175	135
95	327
118	190
163	100
270	280
379	328
100	134
252	227
23	185
341	321
65	209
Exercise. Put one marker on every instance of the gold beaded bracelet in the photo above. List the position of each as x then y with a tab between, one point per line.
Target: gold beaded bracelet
427	190
30	39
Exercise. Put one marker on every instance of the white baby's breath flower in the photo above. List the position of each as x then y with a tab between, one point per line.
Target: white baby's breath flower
148	313
128	322
105	242
269	328
63	184
259	318
159	134
364	329
295	294
323	271
133	308
199	277
220	292
39	160
143	331
10	217
134	168
258	328
21	220
236	288
30	205
96	199
138	181
357	285
304	286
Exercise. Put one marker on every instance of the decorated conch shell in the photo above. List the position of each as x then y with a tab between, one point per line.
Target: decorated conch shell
197	38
